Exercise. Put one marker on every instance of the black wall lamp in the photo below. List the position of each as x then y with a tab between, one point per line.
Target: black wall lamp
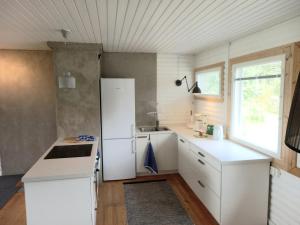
195	89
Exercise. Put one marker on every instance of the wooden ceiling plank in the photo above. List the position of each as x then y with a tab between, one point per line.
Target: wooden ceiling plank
33	14
248	16
14	11
66	21
150	15
66	16
52	12
164	19
112	7
91	6
102	14
211	10
99	21
195	14
222	18
139	18
85	18
169	26
123	22
9	25
74	14
157	17
133	7
121	14
247	19
184	13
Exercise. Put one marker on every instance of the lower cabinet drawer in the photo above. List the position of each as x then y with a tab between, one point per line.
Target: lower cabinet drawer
208	198
206	157
208	174
205	172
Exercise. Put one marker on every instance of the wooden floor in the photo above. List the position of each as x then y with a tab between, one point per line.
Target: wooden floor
111	208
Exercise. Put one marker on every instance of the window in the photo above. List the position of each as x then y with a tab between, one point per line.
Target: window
210	81
257	99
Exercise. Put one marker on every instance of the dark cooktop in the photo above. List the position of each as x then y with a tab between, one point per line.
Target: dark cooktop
69	151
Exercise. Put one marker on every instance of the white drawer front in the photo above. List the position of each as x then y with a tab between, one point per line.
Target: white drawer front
207	174
206	157
208	198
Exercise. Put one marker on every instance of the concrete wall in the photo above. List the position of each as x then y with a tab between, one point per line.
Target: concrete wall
142	67
27	109
78	110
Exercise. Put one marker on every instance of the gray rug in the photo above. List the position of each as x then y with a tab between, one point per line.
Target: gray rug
8	187
153	203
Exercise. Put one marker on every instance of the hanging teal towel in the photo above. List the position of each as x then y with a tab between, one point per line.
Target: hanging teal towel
150	162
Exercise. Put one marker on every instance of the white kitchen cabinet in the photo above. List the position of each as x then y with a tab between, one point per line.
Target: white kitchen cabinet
234	192
141	148
165	150
183	164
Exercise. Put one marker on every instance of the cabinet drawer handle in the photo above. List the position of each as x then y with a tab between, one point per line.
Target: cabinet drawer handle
200	161
181	140
200	153
201	184
142	136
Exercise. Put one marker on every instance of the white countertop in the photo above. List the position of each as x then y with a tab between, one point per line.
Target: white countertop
226	151
139	133
63	168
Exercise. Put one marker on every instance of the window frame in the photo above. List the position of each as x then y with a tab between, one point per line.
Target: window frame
266	59
220	66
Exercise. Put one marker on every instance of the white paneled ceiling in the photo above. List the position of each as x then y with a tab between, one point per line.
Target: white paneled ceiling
166	26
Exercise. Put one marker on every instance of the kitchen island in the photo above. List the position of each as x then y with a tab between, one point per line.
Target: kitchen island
61	186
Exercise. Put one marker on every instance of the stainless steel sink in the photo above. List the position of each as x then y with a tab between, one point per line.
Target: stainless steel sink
153	129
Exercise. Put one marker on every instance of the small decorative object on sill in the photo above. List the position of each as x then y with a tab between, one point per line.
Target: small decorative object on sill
200	134
210	129
218	132
292	137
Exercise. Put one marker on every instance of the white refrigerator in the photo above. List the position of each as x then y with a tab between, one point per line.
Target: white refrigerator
118	128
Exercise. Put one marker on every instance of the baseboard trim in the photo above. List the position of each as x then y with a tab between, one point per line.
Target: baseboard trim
162	172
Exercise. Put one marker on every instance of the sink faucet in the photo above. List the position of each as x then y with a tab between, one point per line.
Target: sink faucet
156	119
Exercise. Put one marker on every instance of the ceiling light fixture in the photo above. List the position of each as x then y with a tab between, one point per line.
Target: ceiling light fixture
66	80
65	33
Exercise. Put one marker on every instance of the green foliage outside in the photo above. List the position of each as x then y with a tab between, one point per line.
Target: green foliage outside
209	82
260	98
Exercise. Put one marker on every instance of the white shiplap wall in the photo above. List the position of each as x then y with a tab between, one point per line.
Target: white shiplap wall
280	34
285	199
216	111
285	188
174	103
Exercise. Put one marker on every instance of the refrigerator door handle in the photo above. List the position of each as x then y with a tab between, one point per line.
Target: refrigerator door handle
133	146
132	130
